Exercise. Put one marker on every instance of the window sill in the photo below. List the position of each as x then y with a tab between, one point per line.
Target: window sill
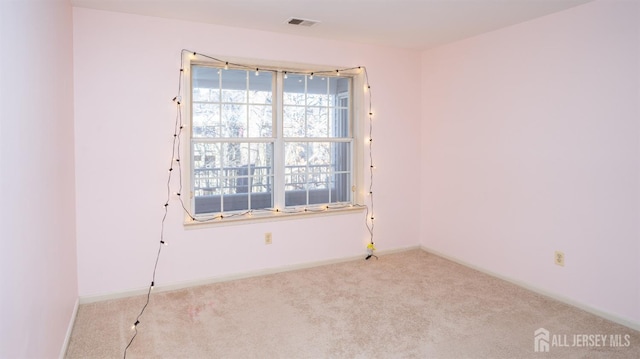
268	216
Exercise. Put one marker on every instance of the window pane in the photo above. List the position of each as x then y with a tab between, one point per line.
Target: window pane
260	91
295	178
319	154
260	121
341	163
206	177
341	188
294	90
317	122
295	154
234	120
206	84
293	122
341	156
339	122
294	196
234	86
338	86
319	196
317	94
206	120
206	155
339	102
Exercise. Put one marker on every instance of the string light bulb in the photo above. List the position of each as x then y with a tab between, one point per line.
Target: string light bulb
285	75
311	76
226	65
257	71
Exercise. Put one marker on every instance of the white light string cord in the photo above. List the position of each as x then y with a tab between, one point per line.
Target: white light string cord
175	167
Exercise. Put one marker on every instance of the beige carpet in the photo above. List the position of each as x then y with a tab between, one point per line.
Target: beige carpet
406	305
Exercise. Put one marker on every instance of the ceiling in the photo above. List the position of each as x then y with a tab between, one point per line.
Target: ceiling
412	24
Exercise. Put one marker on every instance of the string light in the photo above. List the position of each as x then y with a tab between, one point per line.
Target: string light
179	126
370	208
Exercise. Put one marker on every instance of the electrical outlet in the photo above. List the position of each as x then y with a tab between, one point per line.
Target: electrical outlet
268	238
559	258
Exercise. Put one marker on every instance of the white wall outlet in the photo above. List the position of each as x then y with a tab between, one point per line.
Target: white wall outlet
268	238
559	258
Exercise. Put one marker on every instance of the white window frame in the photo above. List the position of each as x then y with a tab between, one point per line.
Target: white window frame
357	140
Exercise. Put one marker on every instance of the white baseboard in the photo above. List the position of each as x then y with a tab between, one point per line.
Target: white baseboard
622	321
257	273
72	320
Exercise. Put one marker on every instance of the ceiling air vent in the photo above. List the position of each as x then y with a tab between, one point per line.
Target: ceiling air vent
301	22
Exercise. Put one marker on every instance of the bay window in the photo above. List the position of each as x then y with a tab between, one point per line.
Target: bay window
270	140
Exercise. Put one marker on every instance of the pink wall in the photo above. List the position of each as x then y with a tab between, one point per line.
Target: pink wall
531	145
126	69
37	222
